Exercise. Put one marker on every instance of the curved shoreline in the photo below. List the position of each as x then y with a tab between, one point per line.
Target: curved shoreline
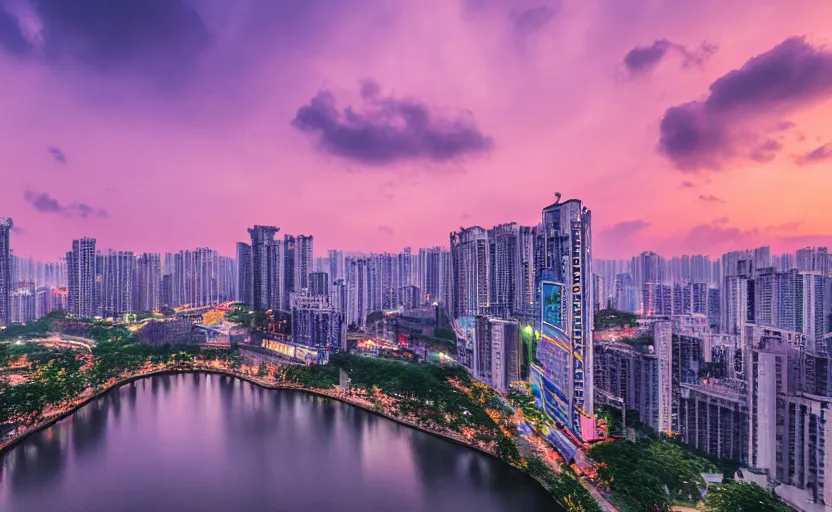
46	423
269	385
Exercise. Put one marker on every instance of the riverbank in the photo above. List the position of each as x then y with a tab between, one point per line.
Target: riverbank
272	384
352	400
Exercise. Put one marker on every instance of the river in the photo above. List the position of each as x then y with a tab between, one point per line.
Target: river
215	443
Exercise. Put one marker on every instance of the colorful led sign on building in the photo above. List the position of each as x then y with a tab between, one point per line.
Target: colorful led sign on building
559	377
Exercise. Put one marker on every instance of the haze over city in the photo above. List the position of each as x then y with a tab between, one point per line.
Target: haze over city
685	126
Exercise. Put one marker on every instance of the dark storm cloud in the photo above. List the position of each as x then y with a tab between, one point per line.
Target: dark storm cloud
156	39
389	130
111	35
170	46
643	59
709	133
819	154
45	203
57	154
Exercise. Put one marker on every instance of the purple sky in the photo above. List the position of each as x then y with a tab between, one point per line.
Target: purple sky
155	125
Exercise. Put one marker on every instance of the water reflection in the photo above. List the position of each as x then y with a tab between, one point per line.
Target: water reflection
214	443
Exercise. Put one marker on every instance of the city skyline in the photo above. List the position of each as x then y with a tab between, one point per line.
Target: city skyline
106	140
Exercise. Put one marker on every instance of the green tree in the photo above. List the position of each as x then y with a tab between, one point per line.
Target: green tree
607	318
742	497
507	449
445	333
638	473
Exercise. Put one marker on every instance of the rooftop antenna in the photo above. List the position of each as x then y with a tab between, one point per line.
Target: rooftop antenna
557	197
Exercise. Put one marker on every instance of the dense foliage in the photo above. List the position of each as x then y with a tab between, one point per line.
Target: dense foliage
425	391
38	329
564	487
607	318
433	395
57	377
240	313
445	333
11	352
742	497
637	473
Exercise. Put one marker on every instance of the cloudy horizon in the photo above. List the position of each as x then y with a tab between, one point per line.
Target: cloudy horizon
159	125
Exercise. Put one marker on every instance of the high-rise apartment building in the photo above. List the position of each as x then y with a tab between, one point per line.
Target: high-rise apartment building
303	262
289	262
315	323
638	376
469	261
319	284
149	282
265	260
244	277
6	226
562	381
625	293
336	265
657	299
22	303
357	290
525	287
503	269
116	269
431	274
81	275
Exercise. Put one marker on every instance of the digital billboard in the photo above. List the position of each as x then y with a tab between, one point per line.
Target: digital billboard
549	398
306	355
578	349
553	304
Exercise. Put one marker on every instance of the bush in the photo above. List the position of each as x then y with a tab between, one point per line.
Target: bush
637	473
742	497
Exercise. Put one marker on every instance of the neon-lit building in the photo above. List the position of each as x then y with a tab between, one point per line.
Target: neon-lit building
561	375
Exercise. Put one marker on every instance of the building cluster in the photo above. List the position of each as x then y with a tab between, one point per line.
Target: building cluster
733	356
325	295
90	283
511	283
387	282
730	354
277	275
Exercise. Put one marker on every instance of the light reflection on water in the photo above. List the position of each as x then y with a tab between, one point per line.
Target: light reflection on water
215	443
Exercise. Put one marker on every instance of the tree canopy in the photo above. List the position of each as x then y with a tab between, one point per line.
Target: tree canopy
638	473
742	497
607	318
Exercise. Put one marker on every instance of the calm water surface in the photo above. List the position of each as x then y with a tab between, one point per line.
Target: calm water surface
214	443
